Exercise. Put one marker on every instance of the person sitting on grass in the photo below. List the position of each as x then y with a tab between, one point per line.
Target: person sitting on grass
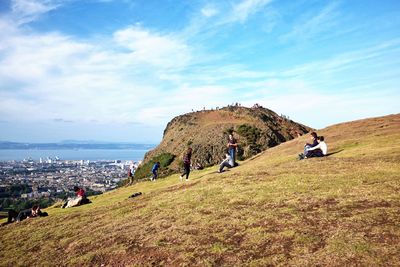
227	162
320	150
154	170
80	198
33	212
198	166
314	138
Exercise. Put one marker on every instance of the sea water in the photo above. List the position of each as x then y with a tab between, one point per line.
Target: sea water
73	154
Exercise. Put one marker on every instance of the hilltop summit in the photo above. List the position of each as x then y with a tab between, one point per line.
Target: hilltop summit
206	131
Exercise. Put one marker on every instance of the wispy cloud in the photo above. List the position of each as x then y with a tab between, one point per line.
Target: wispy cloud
244	9
25	11
345	60
209	11
213	20
153	48
312	24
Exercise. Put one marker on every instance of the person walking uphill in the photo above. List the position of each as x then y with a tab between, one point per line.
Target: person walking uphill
186	164
154	170
232	145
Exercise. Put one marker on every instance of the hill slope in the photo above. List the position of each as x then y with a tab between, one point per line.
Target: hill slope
272	210
256	129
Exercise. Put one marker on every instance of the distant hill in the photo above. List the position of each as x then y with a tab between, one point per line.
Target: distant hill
73	145
272	210
256	129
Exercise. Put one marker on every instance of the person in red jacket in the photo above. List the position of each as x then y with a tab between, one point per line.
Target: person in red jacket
80	198
79	192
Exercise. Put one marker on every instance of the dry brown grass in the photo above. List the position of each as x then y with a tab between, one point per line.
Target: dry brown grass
273	210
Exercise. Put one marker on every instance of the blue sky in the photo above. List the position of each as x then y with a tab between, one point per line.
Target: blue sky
119	70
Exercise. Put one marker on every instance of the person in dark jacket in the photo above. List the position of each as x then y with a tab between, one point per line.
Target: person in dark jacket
307	146
154	170
33	212
186	164
314	138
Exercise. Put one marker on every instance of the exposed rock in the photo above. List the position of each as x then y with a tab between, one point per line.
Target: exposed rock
256	129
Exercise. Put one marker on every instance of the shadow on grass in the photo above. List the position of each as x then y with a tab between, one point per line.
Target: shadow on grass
333	153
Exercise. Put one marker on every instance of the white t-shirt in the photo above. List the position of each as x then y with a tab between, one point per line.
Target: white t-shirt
322	145
229	160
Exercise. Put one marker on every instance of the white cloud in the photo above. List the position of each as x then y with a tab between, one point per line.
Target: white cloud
318	108
212	19
182	100
245	8
24	11
345	60
209	11
50	75
164	51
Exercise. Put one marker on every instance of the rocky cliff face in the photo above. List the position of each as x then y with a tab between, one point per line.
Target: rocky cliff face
256	129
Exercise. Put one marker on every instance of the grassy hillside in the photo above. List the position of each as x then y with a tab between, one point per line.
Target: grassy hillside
272	210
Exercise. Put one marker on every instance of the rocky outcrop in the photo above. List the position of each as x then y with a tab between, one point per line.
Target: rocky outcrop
256	129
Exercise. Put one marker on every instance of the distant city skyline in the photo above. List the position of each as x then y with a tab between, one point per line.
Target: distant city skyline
120	70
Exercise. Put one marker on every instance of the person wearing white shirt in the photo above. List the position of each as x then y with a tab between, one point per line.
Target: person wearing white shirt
319	150
227	162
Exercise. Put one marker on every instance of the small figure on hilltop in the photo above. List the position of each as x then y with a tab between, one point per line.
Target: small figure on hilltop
14	216
232	146
186	164
154	170
80	198
318	147
227	162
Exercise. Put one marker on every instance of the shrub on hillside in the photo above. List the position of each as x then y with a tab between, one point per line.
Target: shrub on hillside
144	171
251	135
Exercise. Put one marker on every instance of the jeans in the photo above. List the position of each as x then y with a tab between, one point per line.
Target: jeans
224	164
306	150
232	153
155	175
315	153
186	170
